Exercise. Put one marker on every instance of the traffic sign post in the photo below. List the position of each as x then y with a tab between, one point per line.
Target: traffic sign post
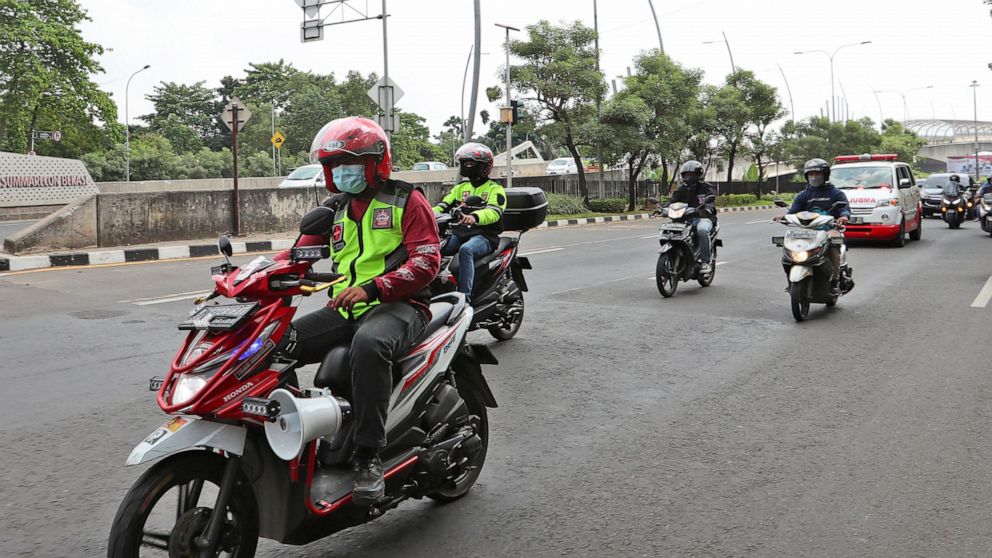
235	116
55	136
385	93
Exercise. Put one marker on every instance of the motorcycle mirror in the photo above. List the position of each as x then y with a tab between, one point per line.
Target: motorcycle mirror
317	221
474	201
653	200
839	203
709	199
224	244
779	203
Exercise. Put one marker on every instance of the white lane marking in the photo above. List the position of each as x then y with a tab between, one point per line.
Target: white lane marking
542	251
650	236
600	283
984	295
164	298
759	221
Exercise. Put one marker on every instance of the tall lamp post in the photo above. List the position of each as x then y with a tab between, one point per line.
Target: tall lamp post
905	106
974	95
733	68
654	14
127	127
830	55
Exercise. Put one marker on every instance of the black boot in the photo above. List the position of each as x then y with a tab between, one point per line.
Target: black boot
369	486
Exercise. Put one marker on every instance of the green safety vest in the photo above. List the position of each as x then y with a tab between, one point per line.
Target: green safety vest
492	193
372	247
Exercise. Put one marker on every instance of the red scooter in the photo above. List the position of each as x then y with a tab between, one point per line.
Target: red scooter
246	439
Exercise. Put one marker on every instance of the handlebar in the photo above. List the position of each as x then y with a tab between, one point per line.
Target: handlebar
322	277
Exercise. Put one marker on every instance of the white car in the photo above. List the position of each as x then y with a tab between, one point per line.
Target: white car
561	165
304	177
429	165
883	197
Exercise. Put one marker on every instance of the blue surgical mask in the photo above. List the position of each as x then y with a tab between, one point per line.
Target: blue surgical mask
349	178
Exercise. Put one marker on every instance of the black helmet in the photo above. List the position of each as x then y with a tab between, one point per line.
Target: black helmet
955	178
817	165
694	167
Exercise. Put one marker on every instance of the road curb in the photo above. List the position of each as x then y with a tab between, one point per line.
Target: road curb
144	254
634	217
127	255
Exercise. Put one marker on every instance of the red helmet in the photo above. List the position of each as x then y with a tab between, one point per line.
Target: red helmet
353	135
476	152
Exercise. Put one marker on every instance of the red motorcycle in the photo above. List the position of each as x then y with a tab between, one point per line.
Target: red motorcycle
246	439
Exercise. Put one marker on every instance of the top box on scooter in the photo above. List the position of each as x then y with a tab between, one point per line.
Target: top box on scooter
526	208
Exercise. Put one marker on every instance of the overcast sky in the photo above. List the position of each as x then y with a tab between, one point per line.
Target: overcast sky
915	43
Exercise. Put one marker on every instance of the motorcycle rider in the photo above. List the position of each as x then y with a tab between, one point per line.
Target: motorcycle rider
985	189
821	195
693	191
480	234
385	241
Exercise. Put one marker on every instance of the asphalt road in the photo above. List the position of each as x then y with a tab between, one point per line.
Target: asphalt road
8	228
708	424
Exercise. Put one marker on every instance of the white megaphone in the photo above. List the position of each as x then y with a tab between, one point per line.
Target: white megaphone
301	420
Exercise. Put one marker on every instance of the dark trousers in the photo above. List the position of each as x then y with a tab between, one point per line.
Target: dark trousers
378	337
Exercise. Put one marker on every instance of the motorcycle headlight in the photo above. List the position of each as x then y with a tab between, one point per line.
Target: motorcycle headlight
189	384
800	256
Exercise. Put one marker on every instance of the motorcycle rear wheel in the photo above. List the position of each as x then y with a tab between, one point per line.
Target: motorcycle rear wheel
185	475
506	330
800	306
460	486
664	274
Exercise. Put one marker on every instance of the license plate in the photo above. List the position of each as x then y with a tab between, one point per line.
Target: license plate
674	227
219	318
856	220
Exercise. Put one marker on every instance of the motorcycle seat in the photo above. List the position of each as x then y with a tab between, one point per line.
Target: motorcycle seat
504	243
335	369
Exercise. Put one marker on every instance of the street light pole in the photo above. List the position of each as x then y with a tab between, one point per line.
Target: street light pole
833	97
127	126
661	46
905	106
465	131
599	102
509	123
881	119
792	107
733	67
974	96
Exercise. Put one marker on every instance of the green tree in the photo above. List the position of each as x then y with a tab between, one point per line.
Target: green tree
194	106
765	109
45	70
744	104
672	94
897	139
624	135
412	142
818	137
559	73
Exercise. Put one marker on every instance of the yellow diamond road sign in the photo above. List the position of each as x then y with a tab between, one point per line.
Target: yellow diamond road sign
278	139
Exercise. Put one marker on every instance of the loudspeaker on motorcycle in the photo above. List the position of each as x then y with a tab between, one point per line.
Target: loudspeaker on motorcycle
302	420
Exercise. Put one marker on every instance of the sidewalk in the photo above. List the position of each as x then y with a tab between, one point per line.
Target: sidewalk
242	245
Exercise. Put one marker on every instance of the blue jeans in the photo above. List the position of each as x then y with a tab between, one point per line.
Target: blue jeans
703	229
468	250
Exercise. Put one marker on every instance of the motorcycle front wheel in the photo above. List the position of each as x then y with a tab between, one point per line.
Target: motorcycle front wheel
169	506
800	306
664	273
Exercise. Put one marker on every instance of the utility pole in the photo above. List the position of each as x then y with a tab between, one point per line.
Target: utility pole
468	127
508	109
599	104
385	73
974	96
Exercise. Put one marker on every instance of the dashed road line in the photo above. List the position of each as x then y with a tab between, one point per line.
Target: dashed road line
175	297
983	295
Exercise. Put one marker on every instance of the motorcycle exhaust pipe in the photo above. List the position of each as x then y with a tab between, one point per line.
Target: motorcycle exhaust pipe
301	420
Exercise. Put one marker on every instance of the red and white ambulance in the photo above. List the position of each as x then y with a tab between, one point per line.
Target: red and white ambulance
883	196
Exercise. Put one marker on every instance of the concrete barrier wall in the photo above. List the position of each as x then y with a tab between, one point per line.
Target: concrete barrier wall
149	217
73	226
